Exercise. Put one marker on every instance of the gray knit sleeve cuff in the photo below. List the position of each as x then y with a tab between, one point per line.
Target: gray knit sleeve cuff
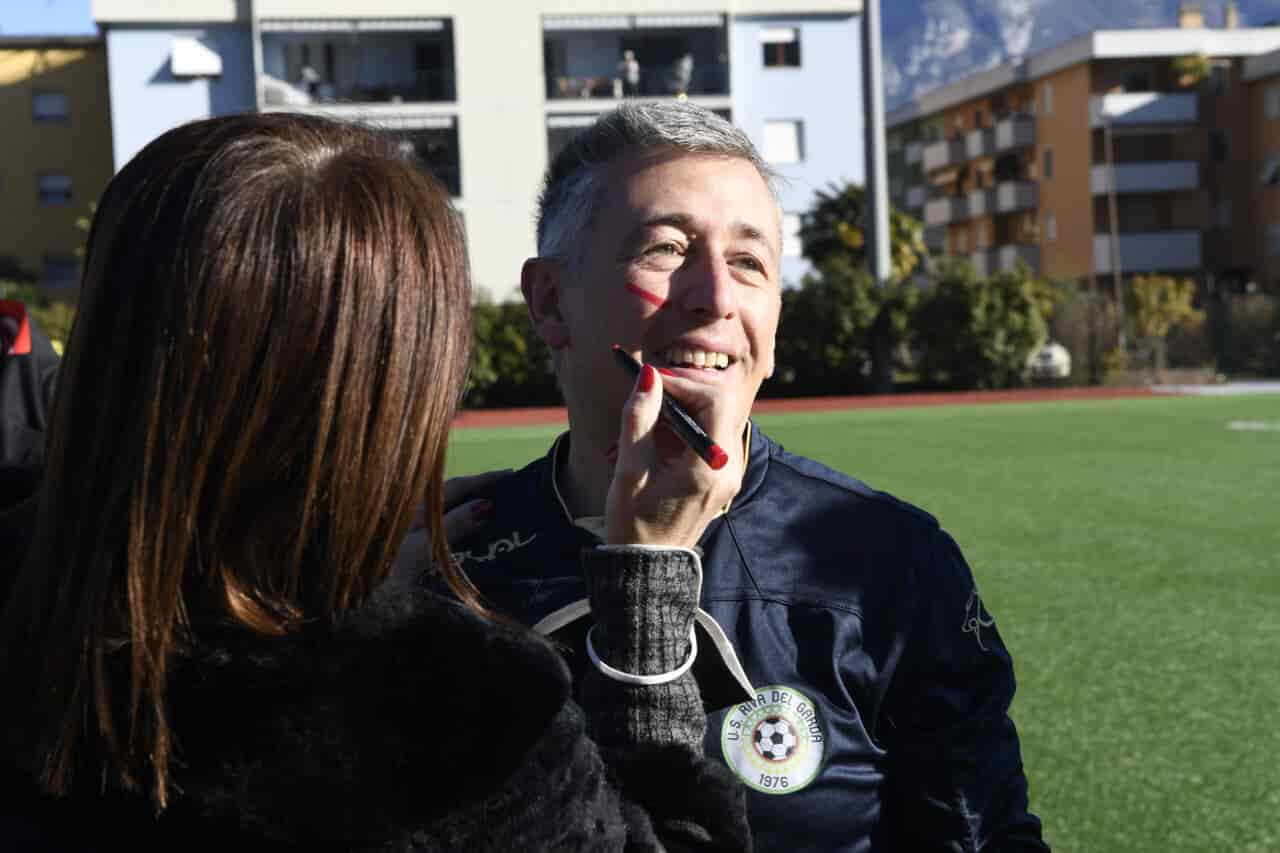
643	600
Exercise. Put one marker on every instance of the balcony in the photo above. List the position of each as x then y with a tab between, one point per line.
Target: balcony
940	155
935	238
1005	259
979	143
1144	109
1012	196
675	54
369	61
914	153
982	202
1161	177
942	211
1154	251
915	197
1015	132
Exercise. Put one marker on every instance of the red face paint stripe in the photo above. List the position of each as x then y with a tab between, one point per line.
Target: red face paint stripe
22	343
652	299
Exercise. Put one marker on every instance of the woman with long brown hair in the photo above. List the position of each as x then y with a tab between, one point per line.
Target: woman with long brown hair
206	644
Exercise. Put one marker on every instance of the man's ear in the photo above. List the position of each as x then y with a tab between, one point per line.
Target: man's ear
541	282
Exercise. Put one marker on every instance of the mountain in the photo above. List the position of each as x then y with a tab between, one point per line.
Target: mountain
928	43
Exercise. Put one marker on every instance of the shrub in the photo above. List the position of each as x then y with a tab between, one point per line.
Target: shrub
979	333
510	364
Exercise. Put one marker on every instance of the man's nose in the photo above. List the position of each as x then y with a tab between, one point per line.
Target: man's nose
708	289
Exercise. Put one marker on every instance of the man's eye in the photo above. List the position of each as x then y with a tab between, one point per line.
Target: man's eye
750	263
667	248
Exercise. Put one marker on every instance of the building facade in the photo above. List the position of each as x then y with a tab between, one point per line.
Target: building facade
1032	162
486	91
57	151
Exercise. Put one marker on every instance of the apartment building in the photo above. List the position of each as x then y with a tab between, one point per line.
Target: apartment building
487	90
1262	79
1028	161
57	151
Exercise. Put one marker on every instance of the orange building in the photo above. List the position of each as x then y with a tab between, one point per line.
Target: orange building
1026	162
57	150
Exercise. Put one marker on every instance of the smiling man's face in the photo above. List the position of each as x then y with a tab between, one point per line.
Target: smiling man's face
682	270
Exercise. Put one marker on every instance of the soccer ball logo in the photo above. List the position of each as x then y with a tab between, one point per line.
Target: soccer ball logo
774	739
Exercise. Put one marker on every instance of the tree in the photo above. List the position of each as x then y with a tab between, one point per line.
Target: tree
979	333
1156	304
837	224
832	238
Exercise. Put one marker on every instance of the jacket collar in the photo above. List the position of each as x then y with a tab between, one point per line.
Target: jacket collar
759	450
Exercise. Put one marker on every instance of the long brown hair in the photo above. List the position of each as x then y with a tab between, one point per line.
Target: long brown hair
271	344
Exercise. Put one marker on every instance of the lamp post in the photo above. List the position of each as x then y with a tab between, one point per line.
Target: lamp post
1117	276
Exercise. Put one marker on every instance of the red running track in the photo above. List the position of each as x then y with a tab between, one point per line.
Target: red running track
557	415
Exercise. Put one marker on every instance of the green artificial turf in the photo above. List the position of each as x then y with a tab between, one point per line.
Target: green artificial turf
1130	551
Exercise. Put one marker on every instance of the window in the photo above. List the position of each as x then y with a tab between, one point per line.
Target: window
61	271
1222	213
49	106
791	245
1051	228
983	236
1273	240
1219	145
1218	78
1047	168
55	190
784	141
977	119
1046	99
1270	172
1271	102
781	47
1137	81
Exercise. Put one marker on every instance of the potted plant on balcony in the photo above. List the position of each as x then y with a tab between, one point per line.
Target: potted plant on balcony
1191	69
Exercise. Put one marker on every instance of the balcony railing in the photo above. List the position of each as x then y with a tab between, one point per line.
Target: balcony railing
941	211
1015	132
1152	251
915	197
1169	176
939	155
1012	196
359	61
1144	108
712	79
982	202
1005	259
979	143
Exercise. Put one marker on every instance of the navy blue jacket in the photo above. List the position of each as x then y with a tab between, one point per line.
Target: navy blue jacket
883	688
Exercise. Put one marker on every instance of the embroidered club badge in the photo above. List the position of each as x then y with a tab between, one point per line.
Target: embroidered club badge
776	743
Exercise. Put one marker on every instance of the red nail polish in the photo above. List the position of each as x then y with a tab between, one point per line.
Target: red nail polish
647	375
482	511
611	451
666	372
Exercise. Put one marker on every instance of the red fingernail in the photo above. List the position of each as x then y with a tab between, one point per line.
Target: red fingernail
482	511
666	372
647	375
612	451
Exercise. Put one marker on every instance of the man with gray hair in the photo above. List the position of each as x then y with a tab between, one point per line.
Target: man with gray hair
879	719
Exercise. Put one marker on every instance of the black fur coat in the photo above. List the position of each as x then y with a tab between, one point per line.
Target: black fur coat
411	725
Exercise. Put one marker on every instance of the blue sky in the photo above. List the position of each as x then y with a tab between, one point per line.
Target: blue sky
46	17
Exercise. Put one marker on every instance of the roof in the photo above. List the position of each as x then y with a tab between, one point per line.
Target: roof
1102	44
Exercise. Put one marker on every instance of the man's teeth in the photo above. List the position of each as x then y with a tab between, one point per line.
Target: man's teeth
696	358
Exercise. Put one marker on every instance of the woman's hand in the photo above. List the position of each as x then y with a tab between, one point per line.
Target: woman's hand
662	493
464	514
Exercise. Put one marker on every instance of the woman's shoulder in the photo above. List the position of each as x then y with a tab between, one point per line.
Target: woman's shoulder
401	712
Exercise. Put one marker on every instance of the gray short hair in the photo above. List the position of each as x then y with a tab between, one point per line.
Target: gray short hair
570	192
